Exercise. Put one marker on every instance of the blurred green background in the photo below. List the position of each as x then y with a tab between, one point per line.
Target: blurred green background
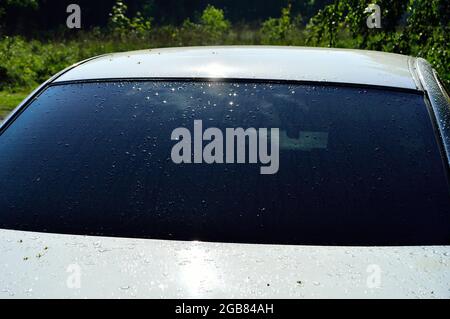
35	42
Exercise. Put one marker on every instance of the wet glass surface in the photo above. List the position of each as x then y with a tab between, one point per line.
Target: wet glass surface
357	166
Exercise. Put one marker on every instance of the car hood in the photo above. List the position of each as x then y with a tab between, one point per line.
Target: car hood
40	265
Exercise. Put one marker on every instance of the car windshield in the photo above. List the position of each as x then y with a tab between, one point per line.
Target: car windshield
322	164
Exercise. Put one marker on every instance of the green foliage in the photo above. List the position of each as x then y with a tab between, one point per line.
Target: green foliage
24	64
121	25
118	20
213	22
212	28
9	101
425	33
413	27
350	15
19	65
324	26
281	30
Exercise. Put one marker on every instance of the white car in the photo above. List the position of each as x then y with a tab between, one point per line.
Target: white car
229	172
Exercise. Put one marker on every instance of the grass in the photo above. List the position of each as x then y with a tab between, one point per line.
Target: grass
8	101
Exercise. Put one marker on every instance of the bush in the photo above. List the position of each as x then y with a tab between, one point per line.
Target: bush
121	25
212	28
20	63
24	64
281	30
213	23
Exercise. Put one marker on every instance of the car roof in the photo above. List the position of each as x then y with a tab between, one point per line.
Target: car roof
252	62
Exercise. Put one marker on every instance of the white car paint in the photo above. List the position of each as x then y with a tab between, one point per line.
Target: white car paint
38	265
252	62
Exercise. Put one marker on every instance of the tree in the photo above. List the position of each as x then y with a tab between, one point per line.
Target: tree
414	27
276	30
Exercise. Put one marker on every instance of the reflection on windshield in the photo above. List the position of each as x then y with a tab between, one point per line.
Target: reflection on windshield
356	166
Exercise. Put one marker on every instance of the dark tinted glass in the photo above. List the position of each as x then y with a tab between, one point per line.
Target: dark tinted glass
357	166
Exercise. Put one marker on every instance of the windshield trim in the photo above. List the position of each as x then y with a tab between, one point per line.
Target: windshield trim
243	80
